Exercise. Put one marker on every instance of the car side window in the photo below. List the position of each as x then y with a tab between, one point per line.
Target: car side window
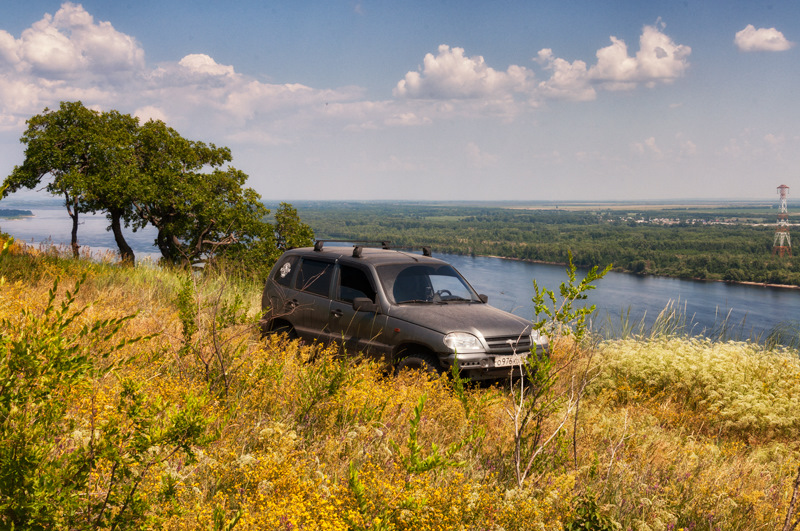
354	283
285	271
315	277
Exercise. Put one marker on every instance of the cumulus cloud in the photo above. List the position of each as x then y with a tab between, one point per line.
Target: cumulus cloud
680	149
150	112
775	140
648	147
479	158
751	39
567	81
71	56
66	56
407	119
658	59
202	64
69	43
451	74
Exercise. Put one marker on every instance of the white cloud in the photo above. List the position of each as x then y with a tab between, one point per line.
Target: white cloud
568	80
9	50
687	147
202	64
70	56
614	64
658	59
479	158
450	74
150	112
407	119
66	45
751	39
648	147
775	140
103	47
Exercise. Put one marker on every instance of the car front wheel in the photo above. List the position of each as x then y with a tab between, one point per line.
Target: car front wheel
421	361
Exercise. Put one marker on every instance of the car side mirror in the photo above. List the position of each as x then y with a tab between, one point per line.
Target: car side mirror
483	298
363	304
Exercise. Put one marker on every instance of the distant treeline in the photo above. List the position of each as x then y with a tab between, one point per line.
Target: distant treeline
715	244
13	213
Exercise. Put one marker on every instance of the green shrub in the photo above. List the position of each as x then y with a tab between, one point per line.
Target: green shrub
60	469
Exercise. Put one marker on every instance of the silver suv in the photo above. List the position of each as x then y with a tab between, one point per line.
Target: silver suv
411	310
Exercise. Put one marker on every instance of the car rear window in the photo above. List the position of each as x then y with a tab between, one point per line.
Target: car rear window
315	277
284	272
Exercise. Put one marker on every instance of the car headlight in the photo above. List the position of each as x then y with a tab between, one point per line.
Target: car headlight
462	342
539	341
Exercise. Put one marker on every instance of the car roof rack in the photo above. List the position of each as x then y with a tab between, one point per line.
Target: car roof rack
319	244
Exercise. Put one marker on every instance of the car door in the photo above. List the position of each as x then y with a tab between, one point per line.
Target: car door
279	297
312	298
356	331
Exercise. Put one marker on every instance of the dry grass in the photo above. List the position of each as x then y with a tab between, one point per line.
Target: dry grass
675	433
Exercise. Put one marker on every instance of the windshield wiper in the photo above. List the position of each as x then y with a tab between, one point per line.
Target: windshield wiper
416	300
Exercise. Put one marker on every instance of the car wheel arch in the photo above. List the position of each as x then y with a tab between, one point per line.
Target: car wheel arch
278	326
419	357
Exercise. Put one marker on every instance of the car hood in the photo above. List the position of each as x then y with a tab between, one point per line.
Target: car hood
477	319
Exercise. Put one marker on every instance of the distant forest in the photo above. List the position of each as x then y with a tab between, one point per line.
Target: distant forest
14	213
732	243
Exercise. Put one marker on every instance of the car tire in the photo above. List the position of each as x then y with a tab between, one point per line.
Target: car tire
421	361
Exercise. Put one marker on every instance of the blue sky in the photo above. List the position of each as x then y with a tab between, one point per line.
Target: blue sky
450	100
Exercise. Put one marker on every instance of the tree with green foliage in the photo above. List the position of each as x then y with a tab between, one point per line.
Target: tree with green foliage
149	174
290	232
197	215
91	160
62	144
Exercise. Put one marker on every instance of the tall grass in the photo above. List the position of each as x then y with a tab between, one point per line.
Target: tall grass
676	432
675	321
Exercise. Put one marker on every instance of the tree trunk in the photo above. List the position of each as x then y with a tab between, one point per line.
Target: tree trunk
72	210
125	251
168	251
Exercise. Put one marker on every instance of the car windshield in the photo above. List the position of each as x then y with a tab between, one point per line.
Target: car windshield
419	283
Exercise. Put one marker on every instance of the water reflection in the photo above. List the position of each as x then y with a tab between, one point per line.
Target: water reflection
716	309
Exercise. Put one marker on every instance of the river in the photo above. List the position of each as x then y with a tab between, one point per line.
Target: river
743	311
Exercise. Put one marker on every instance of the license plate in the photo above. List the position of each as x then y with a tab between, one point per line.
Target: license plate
509	361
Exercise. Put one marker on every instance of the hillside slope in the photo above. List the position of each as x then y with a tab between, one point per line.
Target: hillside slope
144	398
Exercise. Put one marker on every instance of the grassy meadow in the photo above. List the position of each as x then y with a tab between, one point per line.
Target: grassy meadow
144	398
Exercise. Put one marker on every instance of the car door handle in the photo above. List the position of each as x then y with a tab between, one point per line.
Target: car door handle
336	313
291	305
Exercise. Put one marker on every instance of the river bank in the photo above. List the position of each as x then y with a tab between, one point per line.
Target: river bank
621	270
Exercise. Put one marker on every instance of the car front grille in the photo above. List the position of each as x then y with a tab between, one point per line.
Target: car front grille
509	344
